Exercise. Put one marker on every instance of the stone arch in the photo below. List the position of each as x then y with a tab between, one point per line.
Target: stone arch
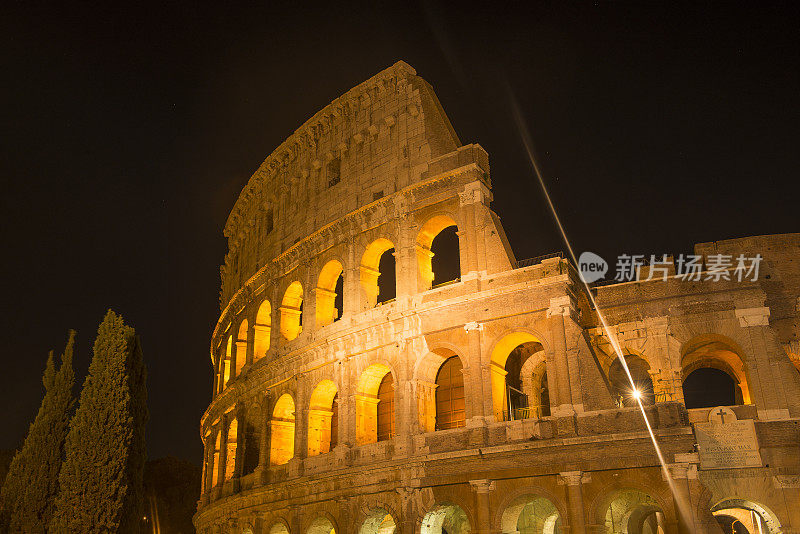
378	521
215	458
535	384
280	526
322	524
322	435
241	346
330	277
621	387
531	514
713	351
227	369
230	448
446	517
291	311
371	272
282	424
262	330
367	396
628	508
426	236
426	373
498	374
745	510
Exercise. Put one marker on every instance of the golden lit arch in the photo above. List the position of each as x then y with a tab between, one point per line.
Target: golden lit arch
370	269
291	311
429	378
716	352
241	347
230	450
282	431
321	525
215	459
326	293
368	396
321	410
261	330
279	528
498	371
425	238
226	364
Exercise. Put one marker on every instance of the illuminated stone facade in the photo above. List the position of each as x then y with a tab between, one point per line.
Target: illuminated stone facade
488	403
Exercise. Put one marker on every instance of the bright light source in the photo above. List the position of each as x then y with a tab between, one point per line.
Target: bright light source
636	394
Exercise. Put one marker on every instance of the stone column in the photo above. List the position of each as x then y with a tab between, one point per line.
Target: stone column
560	379
482	488
574	481
685	484
477	389
223	451
263	442
240	356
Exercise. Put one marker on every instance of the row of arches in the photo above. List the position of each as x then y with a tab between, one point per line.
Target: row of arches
438	257
626	511
520	390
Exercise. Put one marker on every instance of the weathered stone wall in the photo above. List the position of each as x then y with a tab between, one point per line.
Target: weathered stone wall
267	467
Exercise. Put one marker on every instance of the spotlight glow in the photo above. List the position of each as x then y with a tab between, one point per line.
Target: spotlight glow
636	394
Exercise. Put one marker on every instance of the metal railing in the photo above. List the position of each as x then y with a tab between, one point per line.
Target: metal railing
517	414
519	264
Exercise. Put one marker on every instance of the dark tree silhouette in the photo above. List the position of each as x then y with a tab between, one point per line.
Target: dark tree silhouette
101	478
32	481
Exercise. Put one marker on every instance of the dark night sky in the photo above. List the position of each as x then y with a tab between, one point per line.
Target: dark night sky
127	136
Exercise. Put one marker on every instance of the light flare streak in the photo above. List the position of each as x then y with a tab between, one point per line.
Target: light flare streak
682	506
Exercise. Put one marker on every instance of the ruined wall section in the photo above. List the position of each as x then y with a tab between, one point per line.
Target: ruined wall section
374	140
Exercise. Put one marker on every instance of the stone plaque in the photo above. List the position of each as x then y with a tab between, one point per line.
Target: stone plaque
727	443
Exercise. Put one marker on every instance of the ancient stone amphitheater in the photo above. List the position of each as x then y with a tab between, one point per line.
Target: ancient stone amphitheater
383	363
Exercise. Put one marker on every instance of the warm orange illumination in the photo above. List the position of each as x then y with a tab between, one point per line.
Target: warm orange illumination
424	241
450	395
326	293
367	402
226	364
262	329
282	431
291	311
230	451
320	418
215	460
241	347
370	263
498	371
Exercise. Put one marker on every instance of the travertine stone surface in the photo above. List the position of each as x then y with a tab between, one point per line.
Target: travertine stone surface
300	390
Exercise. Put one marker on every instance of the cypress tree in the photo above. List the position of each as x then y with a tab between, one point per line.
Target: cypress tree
32	482
101	478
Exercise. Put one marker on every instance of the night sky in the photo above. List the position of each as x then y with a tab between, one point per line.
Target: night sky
128	134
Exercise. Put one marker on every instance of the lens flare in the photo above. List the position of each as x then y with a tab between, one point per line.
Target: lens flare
683	507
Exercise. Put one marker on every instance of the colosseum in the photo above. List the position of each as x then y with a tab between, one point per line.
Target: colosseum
384	363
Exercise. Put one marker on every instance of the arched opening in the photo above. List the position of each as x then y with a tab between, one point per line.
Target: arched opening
621	388
743	516
230	449
215	459
262	330
632	511
511	354
438	252
378	522
278	528
321	525
281	448
386	408
378	277
292	311
241	347
329	292
533	377
251	440
375	405
529	514
713	373
321	410
445	519
226	363
450	404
